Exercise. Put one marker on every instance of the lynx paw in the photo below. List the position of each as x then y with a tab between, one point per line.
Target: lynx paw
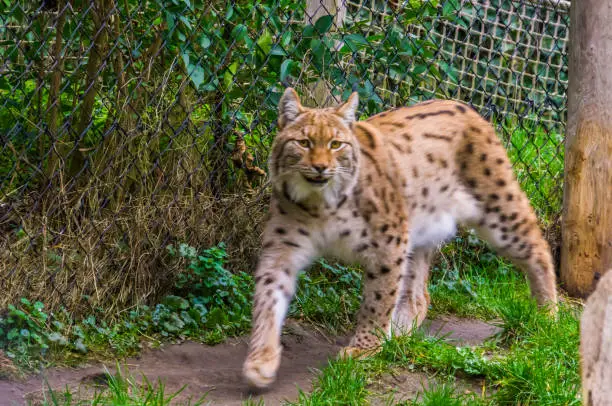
260	369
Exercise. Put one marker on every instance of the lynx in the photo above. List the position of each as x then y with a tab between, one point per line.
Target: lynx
384	192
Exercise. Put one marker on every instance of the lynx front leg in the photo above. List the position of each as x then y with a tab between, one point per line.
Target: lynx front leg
275	280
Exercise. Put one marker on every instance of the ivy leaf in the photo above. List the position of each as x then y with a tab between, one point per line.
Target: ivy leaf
239	32
324	23
355	41
185	57
186	22
204	41
419	69
196	74
285	69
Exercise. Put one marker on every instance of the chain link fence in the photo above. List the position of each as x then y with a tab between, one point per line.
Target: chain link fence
127	125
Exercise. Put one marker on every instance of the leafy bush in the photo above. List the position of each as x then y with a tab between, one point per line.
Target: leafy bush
210	295
210	303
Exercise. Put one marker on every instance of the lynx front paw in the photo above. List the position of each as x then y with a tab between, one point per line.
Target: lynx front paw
357	352
260	367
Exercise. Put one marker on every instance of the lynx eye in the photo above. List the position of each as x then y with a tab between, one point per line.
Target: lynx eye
304	143
335	144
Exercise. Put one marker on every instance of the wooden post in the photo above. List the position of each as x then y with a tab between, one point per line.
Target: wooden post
596	345
319	93
587	199
318	8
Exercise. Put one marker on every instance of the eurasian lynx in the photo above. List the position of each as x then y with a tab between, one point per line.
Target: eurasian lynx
385	193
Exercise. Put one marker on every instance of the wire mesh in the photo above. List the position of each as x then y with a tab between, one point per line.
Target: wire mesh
128	125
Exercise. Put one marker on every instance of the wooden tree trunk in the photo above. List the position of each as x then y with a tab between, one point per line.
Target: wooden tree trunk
319	93
587	212
596	345
53	103
91	86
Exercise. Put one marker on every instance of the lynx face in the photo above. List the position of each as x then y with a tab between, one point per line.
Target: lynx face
384	193
316	154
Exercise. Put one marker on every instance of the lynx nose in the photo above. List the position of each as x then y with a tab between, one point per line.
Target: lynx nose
320	167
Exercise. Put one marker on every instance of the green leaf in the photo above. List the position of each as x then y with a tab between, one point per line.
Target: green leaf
12	334
356	41
285	69
185	57
449	8
176	302
419	69
229	13
185	21
277	50
204	41
239	32
196	74
324	23
308	31
265	42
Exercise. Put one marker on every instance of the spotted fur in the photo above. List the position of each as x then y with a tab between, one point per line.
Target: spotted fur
384	192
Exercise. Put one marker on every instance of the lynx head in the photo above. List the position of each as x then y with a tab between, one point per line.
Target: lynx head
315	153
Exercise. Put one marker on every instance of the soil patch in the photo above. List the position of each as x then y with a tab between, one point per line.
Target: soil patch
216	370
461	331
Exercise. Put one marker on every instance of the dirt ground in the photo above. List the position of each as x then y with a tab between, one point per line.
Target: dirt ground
215	370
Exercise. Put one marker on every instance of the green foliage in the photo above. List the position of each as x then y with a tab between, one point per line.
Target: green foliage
329	295
537	156
24	327
213	304
234	54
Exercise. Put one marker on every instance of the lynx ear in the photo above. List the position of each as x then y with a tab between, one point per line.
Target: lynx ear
289	108
348	110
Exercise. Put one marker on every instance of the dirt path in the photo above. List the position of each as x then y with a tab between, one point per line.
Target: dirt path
217	369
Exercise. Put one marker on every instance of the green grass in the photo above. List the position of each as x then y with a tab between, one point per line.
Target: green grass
533	361
122	389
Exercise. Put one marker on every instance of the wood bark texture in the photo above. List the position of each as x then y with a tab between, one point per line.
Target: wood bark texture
596	345
587	201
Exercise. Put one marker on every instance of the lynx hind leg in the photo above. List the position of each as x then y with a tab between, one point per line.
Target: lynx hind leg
508	221
380	294
413	299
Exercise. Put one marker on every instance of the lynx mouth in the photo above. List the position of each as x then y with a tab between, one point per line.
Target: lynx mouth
318	180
